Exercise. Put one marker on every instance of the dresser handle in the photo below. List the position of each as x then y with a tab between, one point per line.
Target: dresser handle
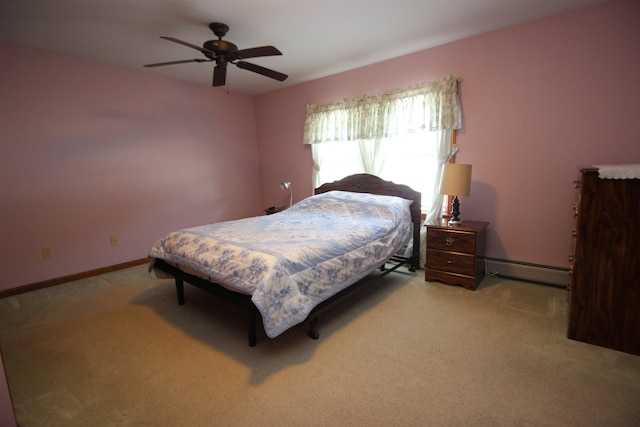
450	261
449	241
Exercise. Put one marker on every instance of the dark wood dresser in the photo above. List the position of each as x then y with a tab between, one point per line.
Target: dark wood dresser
604	307
455	255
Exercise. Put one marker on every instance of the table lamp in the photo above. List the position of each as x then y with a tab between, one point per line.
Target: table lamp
456	181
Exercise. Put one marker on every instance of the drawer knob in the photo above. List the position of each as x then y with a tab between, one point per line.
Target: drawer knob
448	241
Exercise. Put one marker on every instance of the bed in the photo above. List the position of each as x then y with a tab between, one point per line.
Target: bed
287	267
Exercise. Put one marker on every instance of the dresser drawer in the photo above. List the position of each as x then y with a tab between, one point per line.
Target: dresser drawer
451	261
451	240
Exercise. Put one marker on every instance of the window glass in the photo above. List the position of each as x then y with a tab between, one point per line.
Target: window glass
409	160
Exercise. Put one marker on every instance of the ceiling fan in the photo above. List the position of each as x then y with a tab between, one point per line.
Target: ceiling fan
223	53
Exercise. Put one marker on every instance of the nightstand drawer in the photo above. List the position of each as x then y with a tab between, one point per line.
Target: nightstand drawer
451	261
451	240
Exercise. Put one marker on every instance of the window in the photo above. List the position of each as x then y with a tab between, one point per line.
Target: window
401	136
409	159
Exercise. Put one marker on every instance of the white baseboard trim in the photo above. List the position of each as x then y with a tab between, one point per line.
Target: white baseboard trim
545	274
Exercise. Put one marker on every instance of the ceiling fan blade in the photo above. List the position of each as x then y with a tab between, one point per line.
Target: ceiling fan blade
160	64
261	70
219	75
257	51
193	46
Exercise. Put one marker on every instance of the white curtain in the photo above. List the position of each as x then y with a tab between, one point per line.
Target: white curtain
444	153
369	119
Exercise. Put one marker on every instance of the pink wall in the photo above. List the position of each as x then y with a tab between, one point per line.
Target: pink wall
539	100
89	150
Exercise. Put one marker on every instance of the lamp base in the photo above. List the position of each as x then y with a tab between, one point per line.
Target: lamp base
455	211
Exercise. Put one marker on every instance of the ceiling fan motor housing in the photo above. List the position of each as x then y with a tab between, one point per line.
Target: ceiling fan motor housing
220	47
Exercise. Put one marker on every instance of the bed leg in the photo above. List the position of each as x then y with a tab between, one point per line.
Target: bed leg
313	332
251	328
180	290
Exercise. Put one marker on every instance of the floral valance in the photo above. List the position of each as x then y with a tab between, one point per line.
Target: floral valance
432	105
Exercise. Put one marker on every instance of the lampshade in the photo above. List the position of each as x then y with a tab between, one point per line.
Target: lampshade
285	185
456	180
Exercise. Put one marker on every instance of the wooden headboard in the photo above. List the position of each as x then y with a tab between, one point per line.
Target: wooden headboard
366	183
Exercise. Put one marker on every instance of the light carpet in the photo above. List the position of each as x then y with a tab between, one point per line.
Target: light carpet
117	349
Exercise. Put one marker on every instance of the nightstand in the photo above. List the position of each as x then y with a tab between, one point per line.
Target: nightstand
274	209
455	254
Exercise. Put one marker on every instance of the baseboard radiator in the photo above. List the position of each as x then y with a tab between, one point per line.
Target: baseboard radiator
548	275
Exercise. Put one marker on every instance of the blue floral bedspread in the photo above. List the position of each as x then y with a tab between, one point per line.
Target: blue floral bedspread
291	261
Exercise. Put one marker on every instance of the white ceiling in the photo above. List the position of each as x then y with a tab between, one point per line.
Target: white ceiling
317	37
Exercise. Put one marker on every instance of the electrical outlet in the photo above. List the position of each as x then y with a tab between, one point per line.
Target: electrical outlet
113	240
47	253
